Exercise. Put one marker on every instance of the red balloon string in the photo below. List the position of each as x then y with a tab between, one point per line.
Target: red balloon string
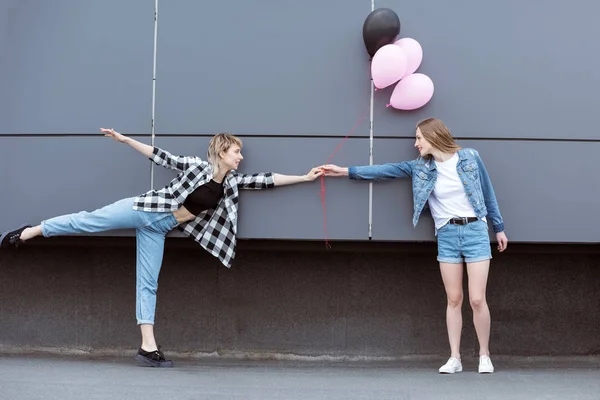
360	120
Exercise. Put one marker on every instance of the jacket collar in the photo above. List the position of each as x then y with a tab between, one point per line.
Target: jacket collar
462	155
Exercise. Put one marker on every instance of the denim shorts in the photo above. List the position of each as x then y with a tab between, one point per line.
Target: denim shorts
468	243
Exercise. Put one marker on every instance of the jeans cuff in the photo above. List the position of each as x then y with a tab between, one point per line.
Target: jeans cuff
450	260
477	259
43	227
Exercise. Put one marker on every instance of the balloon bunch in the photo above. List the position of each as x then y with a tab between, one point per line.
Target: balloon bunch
395	60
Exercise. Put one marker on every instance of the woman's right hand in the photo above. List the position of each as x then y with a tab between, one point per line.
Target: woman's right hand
334	170
114	134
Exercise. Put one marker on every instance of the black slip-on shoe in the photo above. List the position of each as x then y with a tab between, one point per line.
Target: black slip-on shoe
12	238
153	358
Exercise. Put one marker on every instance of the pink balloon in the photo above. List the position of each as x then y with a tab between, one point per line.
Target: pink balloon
413	52
388	66
412	92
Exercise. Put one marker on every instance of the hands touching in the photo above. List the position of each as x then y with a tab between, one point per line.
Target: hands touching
326	170
313	174
334	170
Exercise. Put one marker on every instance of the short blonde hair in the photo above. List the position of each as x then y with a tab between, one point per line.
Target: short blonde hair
438	134
221	142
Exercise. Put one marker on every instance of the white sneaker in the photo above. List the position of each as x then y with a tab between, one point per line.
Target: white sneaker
452	365
485	365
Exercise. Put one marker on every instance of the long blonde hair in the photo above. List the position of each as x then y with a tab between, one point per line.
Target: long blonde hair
438	134
221	142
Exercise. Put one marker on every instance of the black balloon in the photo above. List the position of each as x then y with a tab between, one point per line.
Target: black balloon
381	27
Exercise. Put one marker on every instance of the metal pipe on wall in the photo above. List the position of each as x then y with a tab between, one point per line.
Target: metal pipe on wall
371	150
153	88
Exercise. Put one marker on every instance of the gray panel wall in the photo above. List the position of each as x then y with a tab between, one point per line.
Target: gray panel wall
71	66
538	203
48	176
267	67
297	71
509	69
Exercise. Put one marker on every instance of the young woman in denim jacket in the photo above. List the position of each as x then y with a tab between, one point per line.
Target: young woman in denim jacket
202	202
461	198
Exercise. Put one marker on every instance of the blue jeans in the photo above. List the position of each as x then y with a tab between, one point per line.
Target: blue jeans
151	228
470	242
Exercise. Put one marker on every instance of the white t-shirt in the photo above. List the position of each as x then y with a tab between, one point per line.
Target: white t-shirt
448	199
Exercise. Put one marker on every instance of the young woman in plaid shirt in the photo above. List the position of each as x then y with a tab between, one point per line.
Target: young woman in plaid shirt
202	201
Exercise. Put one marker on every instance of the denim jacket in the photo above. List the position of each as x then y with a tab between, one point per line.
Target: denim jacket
471	171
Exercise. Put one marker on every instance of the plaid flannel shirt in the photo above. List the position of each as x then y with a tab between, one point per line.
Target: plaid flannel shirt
213	229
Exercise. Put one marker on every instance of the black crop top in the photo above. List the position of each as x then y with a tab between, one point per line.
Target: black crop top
204	197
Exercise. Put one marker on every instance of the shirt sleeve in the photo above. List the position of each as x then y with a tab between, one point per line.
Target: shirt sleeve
383	171
167	160
262	180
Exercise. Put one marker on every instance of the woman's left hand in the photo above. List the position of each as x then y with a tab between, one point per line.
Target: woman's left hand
114	134
314	174
502	241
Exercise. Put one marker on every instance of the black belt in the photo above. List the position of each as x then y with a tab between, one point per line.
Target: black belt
462	220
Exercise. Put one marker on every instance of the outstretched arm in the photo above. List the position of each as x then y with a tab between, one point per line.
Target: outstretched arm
158	156
269	179
282	180
139	146
372	172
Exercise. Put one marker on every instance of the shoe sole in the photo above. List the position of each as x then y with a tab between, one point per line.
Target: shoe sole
450	372
486	372
151	363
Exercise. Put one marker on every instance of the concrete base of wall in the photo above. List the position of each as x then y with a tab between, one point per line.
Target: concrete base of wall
355	300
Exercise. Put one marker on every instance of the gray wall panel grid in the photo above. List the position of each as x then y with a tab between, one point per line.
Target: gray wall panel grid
263	67
299	68
45	177
293	212
70	66
547	191
510	69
